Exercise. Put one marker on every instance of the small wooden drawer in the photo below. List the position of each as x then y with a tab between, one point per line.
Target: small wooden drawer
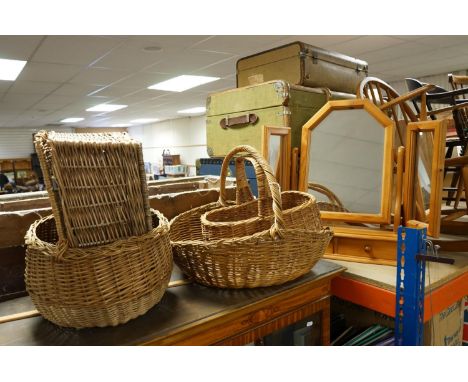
369	250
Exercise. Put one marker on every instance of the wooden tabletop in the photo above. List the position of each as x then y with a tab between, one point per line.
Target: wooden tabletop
182	307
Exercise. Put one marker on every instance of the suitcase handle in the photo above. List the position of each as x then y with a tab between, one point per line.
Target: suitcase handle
227	122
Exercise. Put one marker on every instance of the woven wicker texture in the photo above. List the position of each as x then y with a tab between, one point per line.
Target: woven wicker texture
99	286
247	218
268	257
334	204
97	186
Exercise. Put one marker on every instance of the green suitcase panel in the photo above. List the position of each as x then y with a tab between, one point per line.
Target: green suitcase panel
273	103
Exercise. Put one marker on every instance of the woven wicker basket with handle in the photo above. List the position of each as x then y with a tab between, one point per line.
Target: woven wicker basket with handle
97	286
268	257
254	215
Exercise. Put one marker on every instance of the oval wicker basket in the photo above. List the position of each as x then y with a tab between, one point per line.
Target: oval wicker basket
299	209
98	286
269	257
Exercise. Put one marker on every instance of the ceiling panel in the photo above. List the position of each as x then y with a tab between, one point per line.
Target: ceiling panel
129	57
33	87
141	80
365	44
236	44
222	69
76	50
76	89
18	47
112	92
21	100
166	42
99	76
40	71
5	85
187	62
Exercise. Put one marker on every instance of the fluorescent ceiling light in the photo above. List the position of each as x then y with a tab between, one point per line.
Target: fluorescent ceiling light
121	125
10	69
144	120
106	107
193	110
181	83
71	120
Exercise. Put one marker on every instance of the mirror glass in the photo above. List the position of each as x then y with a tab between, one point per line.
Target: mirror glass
422	187
346	154
274	150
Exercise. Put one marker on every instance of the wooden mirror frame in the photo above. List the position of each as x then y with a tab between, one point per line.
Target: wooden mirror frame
284	174
438	129
384	216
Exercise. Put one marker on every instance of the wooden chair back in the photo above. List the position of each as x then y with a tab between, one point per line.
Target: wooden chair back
458	82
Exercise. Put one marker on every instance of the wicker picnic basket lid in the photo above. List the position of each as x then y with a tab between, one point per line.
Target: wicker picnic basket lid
98	286
254	215
96	185
269	257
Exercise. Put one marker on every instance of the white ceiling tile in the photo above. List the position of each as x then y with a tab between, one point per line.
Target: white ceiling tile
76	50
222	69
39	71
408	49
364	44
99	76
55	102
22	100
187	62
443	41
5	85
128	57
112	92
18	47
33	87
76	89
324	41
236	44
165	42
141	80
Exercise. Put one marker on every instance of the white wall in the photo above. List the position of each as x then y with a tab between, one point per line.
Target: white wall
183	136
17	142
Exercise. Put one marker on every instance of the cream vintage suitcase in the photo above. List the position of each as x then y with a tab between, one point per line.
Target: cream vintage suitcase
303	64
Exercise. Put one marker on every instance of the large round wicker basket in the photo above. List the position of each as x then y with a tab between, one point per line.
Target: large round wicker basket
98	286
270	256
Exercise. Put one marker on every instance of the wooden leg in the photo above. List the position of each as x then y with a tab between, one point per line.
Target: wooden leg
325	323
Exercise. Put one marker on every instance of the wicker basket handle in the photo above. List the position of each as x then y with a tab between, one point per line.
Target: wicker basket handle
267	172
327	192
243	191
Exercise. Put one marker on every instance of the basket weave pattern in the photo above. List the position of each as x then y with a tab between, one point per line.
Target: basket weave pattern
97	186
270	256
98	286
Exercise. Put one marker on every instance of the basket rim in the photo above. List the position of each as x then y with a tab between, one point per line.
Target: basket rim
104	250
204	218
254	237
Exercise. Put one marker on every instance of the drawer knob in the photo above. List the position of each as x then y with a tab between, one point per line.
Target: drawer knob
367	248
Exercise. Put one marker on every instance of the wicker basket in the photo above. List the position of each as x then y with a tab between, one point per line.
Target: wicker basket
269	257
246	218
99	286
96	185
334	204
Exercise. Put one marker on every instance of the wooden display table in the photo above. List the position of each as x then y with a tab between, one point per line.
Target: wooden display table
193	315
